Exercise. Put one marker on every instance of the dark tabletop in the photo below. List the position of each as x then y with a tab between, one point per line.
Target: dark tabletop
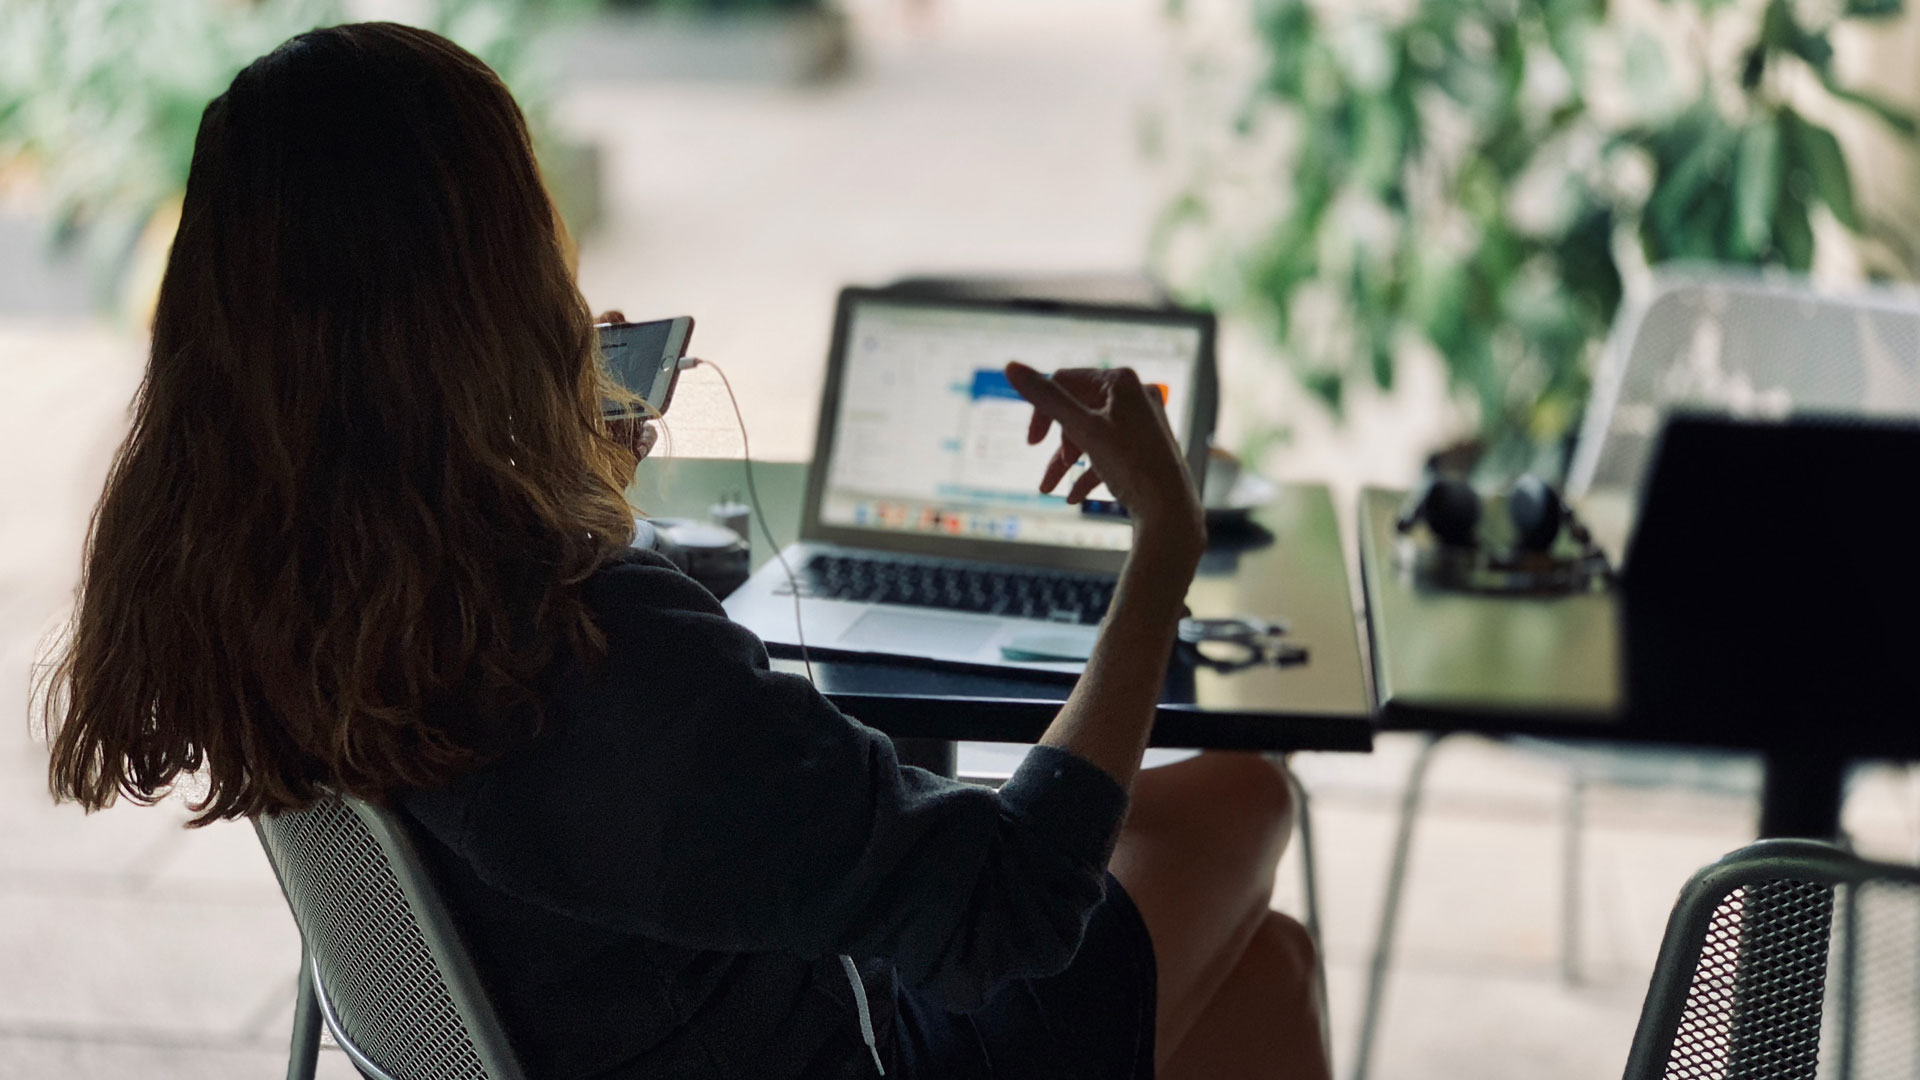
1450	661
1286	564
1650	661
1764	606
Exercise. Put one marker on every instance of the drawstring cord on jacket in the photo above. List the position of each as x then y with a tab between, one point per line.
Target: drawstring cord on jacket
860	1003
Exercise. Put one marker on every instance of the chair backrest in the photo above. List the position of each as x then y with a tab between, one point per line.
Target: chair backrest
1756	346
1786	960
394	982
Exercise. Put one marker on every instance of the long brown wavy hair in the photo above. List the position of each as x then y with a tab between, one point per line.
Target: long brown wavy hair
367	472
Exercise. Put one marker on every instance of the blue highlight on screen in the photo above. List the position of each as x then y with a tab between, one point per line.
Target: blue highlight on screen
992	383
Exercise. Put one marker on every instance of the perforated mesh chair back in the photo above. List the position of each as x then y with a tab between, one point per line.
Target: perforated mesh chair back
394	983
1748	345
1787	960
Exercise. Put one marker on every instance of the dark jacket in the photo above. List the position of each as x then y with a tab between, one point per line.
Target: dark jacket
660	881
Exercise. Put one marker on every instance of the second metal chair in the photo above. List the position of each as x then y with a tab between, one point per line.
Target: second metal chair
381	962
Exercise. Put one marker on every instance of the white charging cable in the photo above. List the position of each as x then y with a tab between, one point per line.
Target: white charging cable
760	515
847	966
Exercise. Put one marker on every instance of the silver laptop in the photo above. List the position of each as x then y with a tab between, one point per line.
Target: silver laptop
924	534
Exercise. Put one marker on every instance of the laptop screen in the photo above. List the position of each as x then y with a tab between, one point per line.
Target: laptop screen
930	439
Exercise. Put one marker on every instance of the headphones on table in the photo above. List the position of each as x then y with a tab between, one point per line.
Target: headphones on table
1545	549
711	554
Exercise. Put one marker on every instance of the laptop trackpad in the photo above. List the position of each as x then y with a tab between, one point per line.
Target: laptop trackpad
910	634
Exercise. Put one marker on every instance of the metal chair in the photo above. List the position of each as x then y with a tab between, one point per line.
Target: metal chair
1587	766
381	963
1747	344
1742	989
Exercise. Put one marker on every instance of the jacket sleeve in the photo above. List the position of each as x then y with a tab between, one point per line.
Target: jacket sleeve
684	791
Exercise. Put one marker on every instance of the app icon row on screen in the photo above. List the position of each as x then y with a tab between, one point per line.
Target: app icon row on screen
932	519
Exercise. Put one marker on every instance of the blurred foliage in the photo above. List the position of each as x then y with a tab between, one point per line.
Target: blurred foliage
100	99
1480	174
718	7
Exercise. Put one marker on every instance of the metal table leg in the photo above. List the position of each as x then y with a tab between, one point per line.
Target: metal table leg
1801	795
934	755
1390	908
1801	798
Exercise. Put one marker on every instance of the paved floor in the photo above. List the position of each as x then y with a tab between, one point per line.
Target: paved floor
1002	136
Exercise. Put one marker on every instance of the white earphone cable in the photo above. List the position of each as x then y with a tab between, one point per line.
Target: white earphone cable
760	515
854	982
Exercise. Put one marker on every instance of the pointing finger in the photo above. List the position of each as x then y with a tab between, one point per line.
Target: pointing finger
1048	396
1037	427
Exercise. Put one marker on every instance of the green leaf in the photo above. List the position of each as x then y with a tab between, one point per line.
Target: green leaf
1811	46
1793	234
1777	29
1646	72
1756	187
1568	25
1890	114
1586	264
1380	144
1872	9
1326	385
1819	153
1437	301
1289	31
1382	360
1702	142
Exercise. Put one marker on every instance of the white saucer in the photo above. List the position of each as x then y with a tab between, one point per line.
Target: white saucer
1248	493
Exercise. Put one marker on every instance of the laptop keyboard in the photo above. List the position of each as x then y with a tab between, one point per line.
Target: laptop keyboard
1054	595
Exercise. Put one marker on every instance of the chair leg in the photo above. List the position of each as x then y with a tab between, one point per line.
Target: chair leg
1310	900
1848	1001
303	1056
1572	855
1390	908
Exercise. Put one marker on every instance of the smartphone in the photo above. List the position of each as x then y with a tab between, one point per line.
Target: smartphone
645	358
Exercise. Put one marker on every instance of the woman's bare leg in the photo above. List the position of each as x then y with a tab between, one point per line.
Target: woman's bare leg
1264	1020
1198	855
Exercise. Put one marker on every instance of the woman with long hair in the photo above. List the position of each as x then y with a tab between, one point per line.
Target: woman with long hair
368	535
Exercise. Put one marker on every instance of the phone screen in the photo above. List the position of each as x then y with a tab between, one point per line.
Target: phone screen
645	358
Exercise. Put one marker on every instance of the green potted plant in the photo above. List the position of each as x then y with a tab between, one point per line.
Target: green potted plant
1483	175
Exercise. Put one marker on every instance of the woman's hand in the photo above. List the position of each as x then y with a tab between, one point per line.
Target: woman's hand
635	434
1121	426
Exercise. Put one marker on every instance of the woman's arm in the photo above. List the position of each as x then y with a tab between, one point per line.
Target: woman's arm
1122	428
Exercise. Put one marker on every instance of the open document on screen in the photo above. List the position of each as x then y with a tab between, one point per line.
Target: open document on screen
931	438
